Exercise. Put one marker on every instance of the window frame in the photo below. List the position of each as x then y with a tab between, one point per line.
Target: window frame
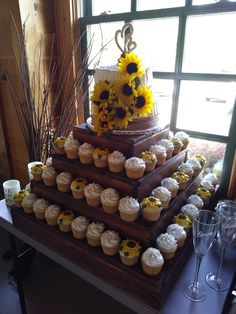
177	75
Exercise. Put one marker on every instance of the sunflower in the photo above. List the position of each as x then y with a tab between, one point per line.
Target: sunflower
102	92
101	108
122	117
125	90
143	104
130	65
103	123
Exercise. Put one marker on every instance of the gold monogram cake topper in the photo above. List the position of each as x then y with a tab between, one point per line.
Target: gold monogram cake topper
124	35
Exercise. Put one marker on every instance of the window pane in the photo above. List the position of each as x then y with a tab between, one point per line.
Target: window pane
163	94
213	152
210	46
156	47
158	4
198	2
206	106
102	34
100	7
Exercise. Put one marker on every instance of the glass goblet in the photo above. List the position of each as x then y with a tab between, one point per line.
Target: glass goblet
225	236
204	231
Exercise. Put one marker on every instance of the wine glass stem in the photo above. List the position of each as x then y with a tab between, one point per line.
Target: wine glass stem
198	263
222	253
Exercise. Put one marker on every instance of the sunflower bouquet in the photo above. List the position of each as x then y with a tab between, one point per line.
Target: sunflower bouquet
116	103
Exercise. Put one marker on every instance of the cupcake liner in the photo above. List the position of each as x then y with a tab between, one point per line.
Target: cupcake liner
151	270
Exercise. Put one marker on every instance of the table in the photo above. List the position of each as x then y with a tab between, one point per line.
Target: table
176	300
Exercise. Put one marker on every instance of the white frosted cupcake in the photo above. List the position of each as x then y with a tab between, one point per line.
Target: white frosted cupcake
109	200
178	233
49	176
167	244
184	137
187	169
212	178
52	212
190	210
160	153
116	162
195	200
152	261
128	208
110	242
195	164
63	181
163	194
28	202
93	234
71	147
92	194
86	153
207	185
39	208
135	168
168	146
170	184
79	227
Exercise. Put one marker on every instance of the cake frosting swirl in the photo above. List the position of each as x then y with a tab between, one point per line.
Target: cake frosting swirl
195	200
93	190
116	157
128	204
135	163
176	231
109	197
167	242
152	257
80	223
86	149
95	229
64	178
110	238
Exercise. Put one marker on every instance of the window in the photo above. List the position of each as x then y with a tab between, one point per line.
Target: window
190	46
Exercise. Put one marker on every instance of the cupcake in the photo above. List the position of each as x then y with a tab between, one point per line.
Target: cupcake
168	146
183	221
110	242
93	234
167	244
163	194
129	252
116	162
187	169
52	212
77	187
18	197
150	160
28	201
177	145
59	145
184	137
64	220
201	159
152	261
63	181
160	153
151	208
39	208
172	185
134	168
79	227
195	200
128	208
37	171
204	194
49	176
92	194
181	178
178	233
100	157
109	200
86	153
190	210
212	178
71	147
195	164
207	185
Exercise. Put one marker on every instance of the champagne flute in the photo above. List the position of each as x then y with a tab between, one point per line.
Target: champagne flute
204	231
226	236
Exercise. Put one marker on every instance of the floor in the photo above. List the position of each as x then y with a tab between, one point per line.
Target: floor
49	288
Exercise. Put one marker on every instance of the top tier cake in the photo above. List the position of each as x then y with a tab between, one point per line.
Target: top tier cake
122	100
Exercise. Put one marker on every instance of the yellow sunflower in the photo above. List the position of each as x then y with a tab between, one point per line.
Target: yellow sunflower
122	117
125	90
143	104
101	108
102	92
103	124
130	65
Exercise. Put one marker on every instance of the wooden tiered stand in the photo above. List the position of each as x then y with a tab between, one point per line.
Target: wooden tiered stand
150	290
